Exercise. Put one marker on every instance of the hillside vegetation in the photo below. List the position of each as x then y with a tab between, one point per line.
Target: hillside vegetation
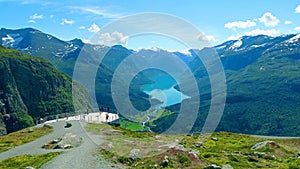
31	88
220	149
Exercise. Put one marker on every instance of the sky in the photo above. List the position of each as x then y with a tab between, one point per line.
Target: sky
218	21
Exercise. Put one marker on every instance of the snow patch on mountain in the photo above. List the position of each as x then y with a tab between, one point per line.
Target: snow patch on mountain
236	45
258	46
294	39
186	52
221	47
11	40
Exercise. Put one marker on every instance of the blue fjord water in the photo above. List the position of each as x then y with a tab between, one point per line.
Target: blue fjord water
163	90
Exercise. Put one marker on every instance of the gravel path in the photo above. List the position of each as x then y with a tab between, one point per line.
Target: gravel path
85	156
34	147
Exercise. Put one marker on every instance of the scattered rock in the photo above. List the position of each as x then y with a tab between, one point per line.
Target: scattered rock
272	144
129	141
166	162
135	154
252	159
112	131
29	167
157	137
213	166
259	154
214	139
227	166
198	144
54	141
47	125
261	145
272	157
110	145
166	159
299	153
67	146
180	147
30	130
69	140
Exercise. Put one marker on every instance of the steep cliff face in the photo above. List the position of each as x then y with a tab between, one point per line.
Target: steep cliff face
31	88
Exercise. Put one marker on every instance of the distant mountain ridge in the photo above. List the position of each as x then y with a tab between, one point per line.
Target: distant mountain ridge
262	76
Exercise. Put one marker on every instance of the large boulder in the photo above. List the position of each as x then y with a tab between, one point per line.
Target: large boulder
261	145
135	154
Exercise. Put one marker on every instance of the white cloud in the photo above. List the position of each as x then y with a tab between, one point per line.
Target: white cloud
269	32
51	16
39	2
110	39
288	22
269	20
67	22
36	16
234	37
240	24
81	27
297	28
94	28
297	10
207	38
31	21
96	11
86	41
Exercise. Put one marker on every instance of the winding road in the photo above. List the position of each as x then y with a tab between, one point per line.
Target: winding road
85	156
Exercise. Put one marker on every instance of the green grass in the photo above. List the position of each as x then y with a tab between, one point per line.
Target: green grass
21	137
230	148
159	114
26	160
130	125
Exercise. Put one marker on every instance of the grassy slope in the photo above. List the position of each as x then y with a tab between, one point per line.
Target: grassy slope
32	80
230	148
21	137
26	160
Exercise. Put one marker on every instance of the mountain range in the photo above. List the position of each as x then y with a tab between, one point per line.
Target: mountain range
262	74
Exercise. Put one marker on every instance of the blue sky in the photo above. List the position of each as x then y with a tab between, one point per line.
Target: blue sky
218	20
